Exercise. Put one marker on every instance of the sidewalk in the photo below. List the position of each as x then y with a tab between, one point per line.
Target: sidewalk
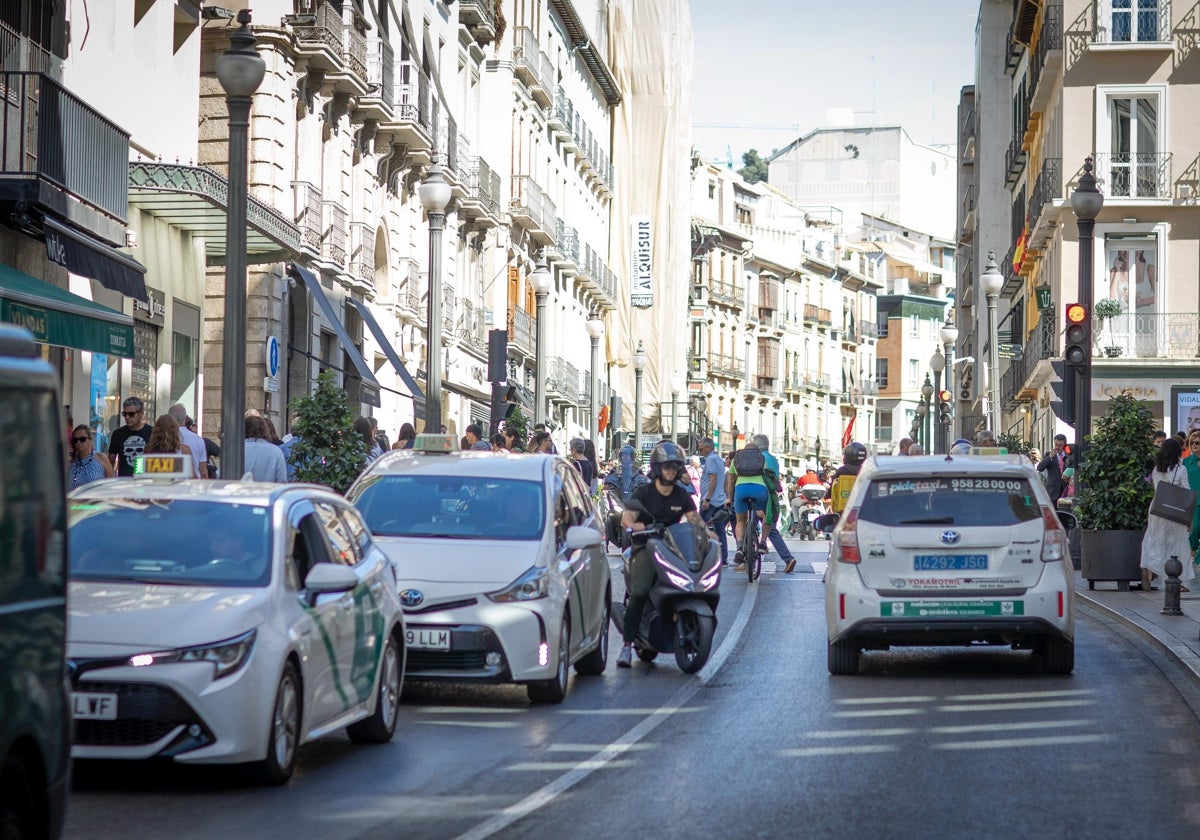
1176	635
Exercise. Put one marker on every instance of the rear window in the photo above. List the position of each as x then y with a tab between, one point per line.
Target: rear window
451	507
949	501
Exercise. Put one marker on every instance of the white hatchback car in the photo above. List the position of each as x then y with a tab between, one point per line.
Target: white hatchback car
227	622
502	573
958	550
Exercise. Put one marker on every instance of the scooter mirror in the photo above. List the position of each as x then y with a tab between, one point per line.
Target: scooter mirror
827	522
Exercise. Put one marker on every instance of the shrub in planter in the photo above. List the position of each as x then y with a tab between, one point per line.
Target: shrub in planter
328	451
1115	494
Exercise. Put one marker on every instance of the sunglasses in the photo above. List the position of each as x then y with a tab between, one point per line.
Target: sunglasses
80	440
130	413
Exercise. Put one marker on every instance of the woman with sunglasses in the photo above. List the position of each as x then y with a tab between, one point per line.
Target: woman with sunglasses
86	463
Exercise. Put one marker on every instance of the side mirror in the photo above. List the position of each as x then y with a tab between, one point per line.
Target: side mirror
826	522
1067	519
581	537
329	577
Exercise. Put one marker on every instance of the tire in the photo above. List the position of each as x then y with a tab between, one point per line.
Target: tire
843	657
283	730
645	654
693	641
595	661
554	690
750	547
381	725
1057	655
18	815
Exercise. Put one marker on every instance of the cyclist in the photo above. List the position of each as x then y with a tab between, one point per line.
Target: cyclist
663	501
746	482
843	480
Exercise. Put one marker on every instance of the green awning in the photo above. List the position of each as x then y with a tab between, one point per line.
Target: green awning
55	316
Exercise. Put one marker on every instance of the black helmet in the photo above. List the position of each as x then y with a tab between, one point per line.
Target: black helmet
854	454
665	454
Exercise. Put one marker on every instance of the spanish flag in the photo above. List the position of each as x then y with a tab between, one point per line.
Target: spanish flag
848	435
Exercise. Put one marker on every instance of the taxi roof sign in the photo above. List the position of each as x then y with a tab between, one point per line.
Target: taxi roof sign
163	465
435	443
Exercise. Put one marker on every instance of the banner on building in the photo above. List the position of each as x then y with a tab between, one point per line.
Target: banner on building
641	269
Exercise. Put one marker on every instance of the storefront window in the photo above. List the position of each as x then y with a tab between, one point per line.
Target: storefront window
185	355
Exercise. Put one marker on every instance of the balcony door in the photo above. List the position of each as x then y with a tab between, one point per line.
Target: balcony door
1130	278
1134	161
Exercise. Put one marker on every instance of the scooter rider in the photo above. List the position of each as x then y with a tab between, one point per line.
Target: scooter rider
843	480
662	501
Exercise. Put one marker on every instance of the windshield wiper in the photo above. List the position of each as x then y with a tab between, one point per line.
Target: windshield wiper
931	520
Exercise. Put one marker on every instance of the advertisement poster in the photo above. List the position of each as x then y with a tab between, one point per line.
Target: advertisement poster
1185	408
641	269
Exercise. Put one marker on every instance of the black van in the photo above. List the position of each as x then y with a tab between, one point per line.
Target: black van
35	715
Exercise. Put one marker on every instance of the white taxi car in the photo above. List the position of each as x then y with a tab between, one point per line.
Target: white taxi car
502	574
941	550
226	622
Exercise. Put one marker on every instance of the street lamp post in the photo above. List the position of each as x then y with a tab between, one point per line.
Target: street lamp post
240	71
435	196
923	410
1087	202
678	383
639	365
937	363
949	335
595	329
992	281
542	282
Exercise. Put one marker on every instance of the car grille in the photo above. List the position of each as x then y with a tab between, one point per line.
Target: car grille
437	660
146	714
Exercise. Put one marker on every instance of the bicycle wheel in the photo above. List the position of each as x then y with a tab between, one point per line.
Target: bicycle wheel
750	546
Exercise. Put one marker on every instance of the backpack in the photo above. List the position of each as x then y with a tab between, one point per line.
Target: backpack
749	462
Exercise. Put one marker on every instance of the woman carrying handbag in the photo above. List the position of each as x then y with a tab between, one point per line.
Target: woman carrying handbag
1165	537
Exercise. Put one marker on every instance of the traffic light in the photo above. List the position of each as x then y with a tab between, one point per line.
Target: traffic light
944	403
1063	401
505	399
1078	350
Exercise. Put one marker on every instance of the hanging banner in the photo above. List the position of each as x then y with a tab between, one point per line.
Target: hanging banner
641	269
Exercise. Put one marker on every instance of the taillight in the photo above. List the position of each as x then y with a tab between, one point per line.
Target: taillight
1054	538
848	538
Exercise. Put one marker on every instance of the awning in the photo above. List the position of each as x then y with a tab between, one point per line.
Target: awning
369	391
55	316
80	254
920	265
417	394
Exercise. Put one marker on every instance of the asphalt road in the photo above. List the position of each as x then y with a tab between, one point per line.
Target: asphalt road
924	743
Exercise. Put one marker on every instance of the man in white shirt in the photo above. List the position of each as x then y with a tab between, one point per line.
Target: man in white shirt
192	440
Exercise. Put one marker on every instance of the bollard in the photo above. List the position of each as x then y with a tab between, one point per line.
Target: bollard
1173	569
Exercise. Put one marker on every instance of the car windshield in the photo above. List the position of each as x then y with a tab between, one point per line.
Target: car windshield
170	541
950	500
452	507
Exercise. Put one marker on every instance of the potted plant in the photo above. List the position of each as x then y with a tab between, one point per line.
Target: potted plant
1115	495
1105	310
328	451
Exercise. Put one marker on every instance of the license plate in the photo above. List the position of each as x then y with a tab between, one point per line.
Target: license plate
90	706
950	609
950	562
427	639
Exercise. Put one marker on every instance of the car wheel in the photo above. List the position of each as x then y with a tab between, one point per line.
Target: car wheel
17	814
596	660
381	725
843	657
554	690
283	736
1057	655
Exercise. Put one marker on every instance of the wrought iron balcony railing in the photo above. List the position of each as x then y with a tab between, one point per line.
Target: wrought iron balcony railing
1050	40
381	69
1132	22
1046	189
1157	335
309	217
51	135
1014	158
731	367
727	293
1134	175
325	30
521	327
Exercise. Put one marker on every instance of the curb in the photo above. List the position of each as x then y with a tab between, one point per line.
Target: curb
1174	647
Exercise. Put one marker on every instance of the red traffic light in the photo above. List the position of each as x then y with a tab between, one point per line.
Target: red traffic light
1076	313
944	396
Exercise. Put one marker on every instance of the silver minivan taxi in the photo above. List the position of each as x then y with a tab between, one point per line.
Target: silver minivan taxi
941	550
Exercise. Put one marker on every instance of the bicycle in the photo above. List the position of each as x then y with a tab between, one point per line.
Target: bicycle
751	553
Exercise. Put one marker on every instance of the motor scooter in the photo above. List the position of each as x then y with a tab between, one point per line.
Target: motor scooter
814	506
680	615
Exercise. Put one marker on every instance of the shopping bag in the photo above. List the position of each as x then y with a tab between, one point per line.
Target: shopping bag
1173	502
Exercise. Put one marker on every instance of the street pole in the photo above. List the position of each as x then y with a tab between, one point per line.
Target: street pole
595	327
992	282
1086	201
240	71
674	417
937	363
949	335
639	364
435	195
541	281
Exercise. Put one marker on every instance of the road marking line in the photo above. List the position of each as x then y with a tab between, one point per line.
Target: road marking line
1008	743
878	713
826	734
1022	695
589	764
844	749
543	796
1007	727
863	701
1001	707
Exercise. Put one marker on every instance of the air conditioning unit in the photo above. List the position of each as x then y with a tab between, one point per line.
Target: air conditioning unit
964	393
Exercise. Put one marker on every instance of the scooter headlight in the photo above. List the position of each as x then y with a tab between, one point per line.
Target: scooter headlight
711	580
679	580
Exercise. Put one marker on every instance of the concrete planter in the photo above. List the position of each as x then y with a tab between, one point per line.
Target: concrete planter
1111	555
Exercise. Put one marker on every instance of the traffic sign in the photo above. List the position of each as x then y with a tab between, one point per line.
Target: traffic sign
272	356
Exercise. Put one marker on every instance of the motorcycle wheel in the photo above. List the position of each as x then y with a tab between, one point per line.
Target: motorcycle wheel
644	653
693	641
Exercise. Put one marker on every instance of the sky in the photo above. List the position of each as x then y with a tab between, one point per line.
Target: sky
781	64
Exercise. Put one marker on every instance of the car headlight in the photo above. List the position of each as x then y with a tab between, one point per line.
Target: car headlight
530	586
226	656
